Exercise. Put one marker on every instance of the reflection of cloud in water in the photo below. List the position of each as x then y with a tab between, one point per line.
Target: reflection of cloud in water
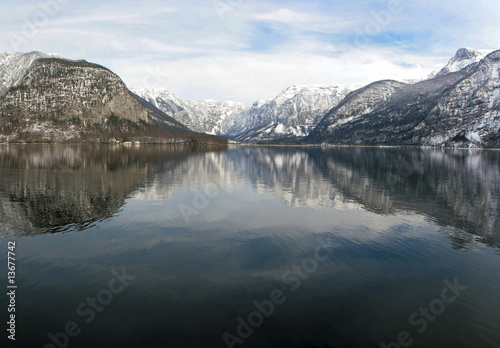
202	170
50	187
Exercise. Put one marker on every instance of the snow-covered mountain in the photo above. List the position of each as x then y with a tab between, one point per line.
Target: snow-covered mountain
14	65
45	97
290	115
459	105
465	57
206	116
37	85
455	108
353	108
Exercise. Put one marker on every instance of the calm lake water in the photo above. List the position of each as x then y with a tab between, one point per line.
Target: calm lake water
154	246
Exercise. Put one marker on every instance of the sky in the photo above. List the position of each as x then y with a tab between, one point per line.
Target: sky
245	50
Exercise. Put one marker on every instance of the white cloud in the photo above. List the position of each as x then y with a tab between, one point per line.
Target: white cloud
312	22
255	48
288	16
247	77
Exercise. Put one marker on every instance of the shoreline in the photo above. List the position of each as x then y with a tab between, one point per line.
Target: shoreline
192	142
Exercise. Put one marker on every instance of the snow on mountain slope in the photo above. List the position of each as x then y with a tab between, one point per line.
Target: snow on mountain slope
455	109
205	116
13	67
470	112
290	115
48	98
464	58
214	111
354	108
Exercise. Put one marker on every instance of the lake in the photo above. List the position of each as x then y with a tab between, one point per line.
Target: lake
151	246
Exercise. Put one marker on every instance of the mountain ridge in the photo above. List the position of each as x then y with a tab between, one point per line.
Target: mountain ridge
296	110
291	116
463	58
458	106
454	109
48	98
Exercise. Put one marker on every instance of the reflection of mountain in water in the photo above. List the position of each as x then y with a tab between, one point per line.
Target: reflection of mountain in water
47	188
209	170
291	174
454	187
457	188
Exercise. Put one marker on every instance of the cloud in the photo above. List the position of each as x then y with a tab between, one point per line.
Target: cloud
247	77
245	50
289	16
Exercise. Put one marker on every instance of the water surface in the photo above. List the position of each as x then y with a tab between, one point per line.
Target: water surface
353	240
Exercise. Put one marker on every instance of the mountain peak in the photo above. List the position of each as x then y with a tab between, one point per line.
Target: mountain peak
463	58
153	93
13	66
466	53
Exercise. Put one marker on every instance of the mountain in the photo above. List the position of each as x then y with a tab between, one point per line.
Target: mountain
291	115
455	108
357	104
206	116
465	57
13	67
46	98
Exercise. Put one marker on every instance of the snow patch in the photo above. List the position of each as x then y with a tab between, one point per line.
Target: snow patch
280	129
473	137
462	59
14	66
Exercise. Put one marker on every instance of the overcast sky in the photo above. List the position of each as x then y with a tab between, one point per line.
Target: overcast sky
245	50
